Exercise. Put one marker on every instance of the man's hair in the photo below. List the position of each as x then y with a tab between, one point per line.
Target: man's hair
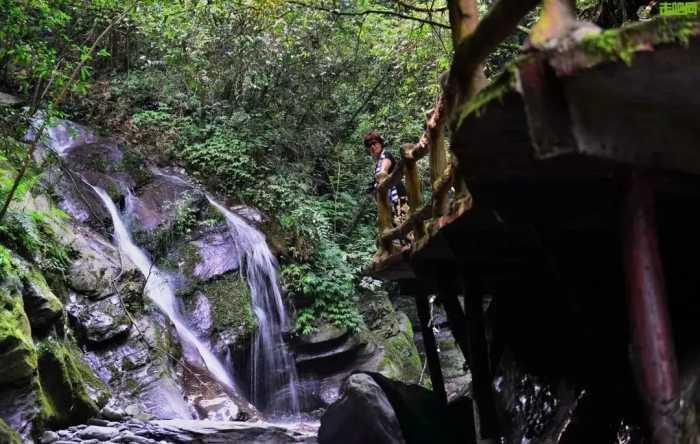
372	137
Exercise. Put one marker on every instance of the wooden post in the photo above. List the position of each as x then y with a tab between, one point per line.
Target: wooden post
446	280
431	354
438	164
482	380
384	214
654	353
413	189
447	291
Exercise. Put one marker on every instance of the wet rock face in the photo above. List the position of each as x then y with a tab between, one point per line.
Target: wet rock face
362	415
101	321
141	372
329	349
233	322
100	161
181	432
218	256
325	359
65	135
158	201
201	316
164	211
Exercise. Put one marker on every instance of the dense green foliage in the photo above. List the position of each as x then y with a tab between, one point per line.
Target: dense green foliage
25	230
267	103
264	100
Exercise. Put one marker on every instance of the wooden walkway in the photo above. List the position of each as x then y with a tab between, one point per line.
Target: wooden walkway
560	163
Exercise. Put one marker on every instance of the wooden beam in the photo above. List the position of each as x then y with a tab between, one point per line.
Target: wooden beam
413	190
384	216
482	379
501	21
429	344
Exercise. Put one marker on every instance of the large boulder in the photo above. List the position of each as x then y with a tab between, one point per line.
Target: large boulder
362	415
422	416
400	357
372	408
97	264
60	391
42	305
17	351
71	393
100	321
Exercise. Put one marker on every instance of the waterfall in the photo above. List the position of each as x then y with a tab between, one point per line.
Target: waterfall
159	290
273	376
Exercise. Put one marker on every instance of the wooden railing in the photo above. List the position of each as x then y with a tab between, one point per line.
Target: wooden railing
473	42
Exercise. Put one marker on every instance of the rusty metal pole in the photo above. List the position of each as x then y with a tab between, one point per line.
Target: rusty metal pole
654	355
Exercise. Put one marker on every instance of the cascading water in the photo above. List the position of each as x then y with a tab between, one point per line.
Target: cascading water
159	290
274	381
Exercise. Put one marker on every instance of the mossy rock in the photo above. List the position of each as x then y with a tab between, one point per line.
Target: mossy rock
17	351
183	258
7	435
42	305
231	304
401	360
134	164
70	393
